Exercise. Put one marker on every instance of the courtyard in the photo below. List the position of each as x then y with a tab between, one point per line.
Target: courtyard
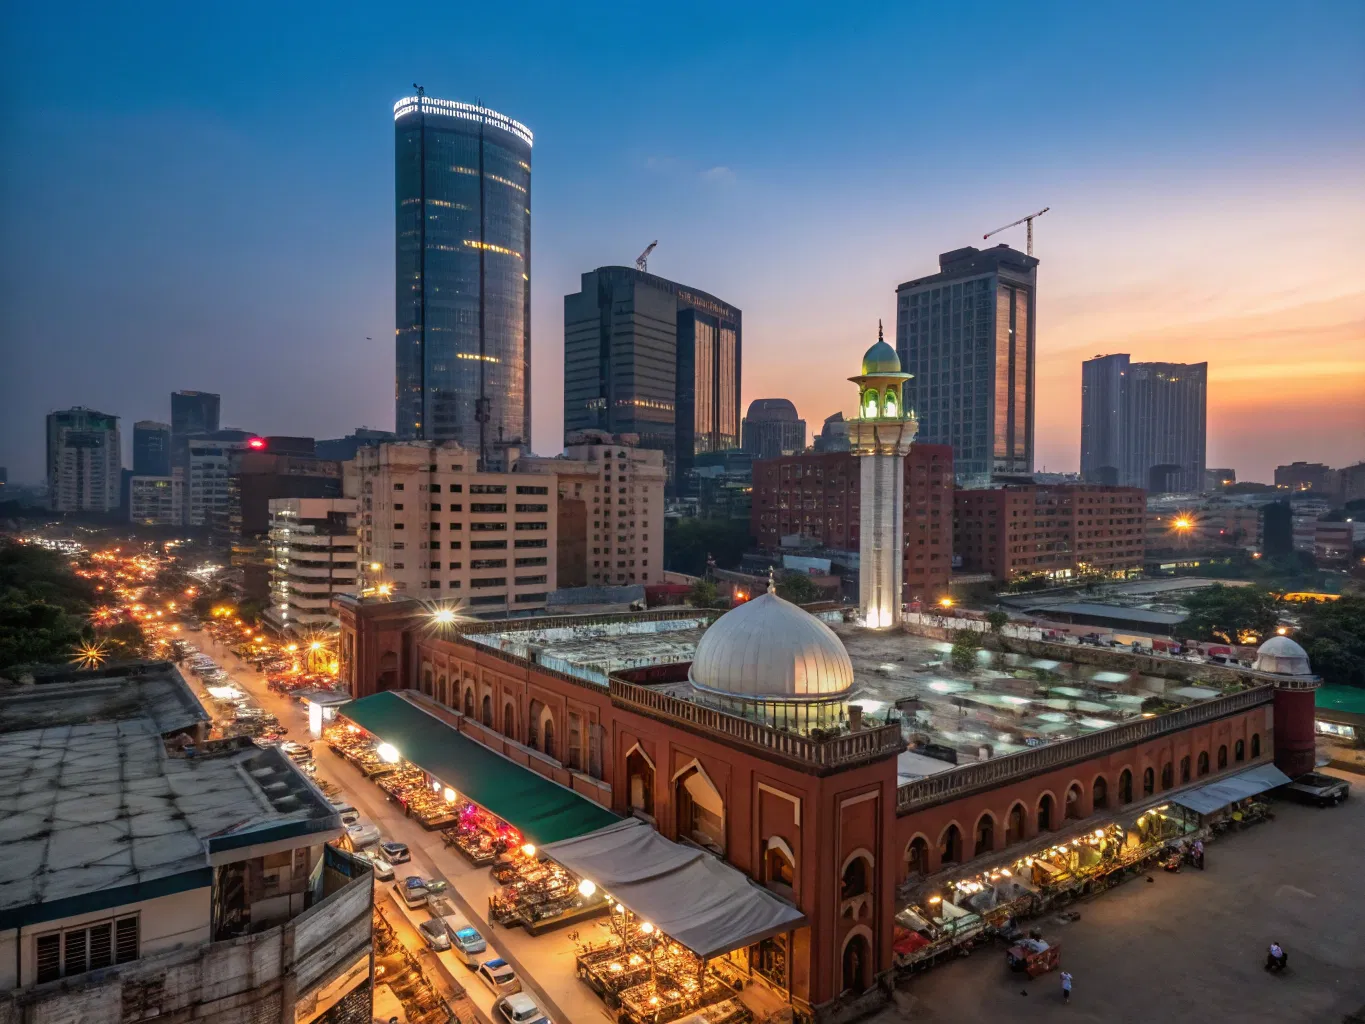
1191	946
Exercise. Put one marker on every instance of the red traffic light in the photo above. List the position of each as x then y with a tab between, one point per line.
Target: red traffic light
256	444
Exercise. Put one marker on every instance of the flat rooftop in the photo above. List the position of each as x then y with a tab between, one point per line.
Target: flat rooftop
594	650
143	689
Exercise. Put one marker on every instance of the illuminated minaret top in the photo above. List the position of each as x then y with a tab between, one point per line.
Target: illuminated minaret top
880	436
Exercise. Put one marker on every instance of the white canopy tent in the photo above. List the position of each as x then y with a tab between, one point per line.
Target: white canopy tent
689	895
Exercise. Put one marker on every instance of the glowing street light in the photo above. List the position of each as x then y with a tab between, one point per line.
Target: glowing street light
587	888
1183	523
389	753
945	602
443	616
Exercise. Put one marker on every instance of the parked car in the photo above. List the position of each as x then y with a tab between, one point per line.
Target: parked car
383	870
499	977
1316	788
413	896
397	853
363	834
519	1009
434	934
463	935
435	886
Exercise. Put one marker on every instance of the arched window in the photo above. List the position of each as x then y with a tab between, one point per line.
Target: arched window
1255	744
950	846
1099	793
548	728
469	702
985	834
426	680
533	725
778	866
441	694
870	404
855	964
1223	756
700	810
1073	801
487	710
1125	787
1239	751
1185	768
1167	775
917	858
1045	813
1148	782
640	782
1203	764
857	877
890	404
509	721
1016	826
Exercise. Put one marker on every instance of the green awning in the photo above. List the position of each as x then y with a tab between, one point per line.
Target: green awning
541	810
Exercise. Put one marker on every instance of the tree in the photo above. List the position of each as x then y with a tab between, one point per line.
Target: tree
799	588
688	542
966	642
1333	634
997	620
1229	614
35	633
43	605
702	595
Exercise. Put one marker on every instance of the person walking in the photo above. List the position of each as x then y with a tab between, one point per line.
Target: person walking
1199	854
1066	986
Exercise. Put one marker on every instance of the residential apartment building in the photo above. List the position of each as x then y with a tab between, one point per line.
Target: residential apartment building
616	491
313	556
197	882
812	501
151	501
1057	531
654	358
84	461
206	475
968	334
433	527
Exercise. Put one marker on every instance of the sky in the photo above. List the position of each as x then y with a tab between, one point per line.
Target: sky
201	196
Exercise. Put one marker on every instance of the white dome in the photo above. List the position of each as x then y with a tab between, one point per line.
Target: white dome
1282	656
769	649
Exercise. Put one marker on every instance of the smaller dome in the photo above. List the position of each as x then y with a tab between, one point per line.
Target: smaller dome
1282	656
881	358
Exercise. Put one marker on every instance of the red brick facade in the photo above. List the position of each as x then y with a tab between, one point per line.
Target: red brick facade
816	497
1020	531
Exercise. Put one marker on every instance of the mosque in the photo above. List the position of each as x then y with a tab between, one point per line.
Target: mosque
748	735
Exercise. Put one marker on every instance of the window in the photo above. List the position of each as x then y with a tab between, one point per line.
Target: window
523	562
397	487
455	488
489	545
487	488
486	582
487	527
522	489
488	563
398	506
536	598
73	951
1203	762
532	526
532	543
1185	768
527	580
532	508
487	507
1256	744
1239	751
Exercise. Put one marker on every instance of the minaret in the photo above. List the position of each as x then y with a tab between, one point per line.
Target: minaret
880	436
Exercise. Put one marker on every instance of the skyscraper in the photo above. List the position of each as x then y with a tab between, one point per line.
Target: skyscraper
647	356
1143	424
967	334
772	428
194	412
462	321
84	461
151	448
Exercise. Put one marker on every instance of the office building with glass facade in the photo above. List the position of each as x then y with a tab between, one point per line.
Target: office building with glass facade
968	335
650	357
151	448
462	276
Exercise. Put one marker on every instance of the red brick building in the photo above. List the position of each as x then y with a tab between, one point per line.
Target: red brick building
815	498
817	815
1053	530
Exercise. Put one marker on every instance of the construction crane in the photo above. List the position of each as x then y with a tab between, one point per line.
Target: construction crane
642	261
1022	220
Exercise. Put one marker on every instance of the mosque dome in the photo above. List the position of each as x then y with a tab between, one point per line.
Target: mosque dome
769	649
881	358
1282	656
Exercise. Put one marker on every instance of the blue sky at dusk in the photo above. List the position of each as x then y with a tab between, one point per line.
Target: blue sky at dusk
201	196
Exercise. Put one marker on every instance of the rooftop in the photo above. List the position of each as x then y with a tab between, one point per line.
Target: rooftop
144	689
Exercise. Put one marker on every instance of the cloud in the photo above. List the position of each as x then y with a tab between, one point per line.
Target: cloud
719	174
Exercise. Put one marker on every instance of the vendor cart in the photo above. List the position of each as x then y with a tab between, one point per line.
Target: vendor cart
1034	956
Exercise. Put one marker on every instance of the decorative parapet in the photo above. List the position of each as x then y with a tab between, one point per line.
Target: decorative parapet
983	775
819	756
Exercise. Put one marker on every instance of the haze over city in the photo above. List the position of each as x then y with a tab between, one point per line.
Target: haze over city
202	199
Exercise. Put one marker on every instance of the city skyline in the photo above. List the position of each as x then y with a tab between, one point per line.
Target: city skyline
278	296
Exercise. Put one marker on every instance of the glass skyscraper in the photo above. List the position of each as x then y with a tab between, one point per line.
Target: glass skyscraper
463	276
967	334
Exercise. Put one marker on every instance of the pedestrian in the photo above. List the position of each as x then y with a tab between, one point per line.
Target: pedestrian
1199	854
1066	986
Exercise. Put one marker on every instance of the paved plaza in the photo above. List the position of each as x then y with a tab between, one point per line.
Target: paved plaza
1191	946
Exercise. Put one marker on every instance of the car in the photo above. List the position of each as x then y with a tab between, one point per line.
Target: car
350	817
413	896
397	853
383	870
436	886
434	934
519	1008
499	977
363	834
1317	788
467	939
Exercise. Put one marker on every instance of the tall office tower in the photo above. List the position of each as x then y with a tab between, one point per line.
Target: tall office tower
647	356
771	428
881	435
194	412
151	448
1103	422
462	322
1143	424
84	461
968	335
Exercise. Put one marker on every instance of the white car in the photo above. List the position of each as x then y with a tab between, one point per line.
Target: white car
499	977
519	1008
411	891
383	870
434	934
363	834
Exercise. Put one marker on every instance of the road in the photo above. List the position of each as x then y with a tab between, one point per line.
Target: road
550	979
